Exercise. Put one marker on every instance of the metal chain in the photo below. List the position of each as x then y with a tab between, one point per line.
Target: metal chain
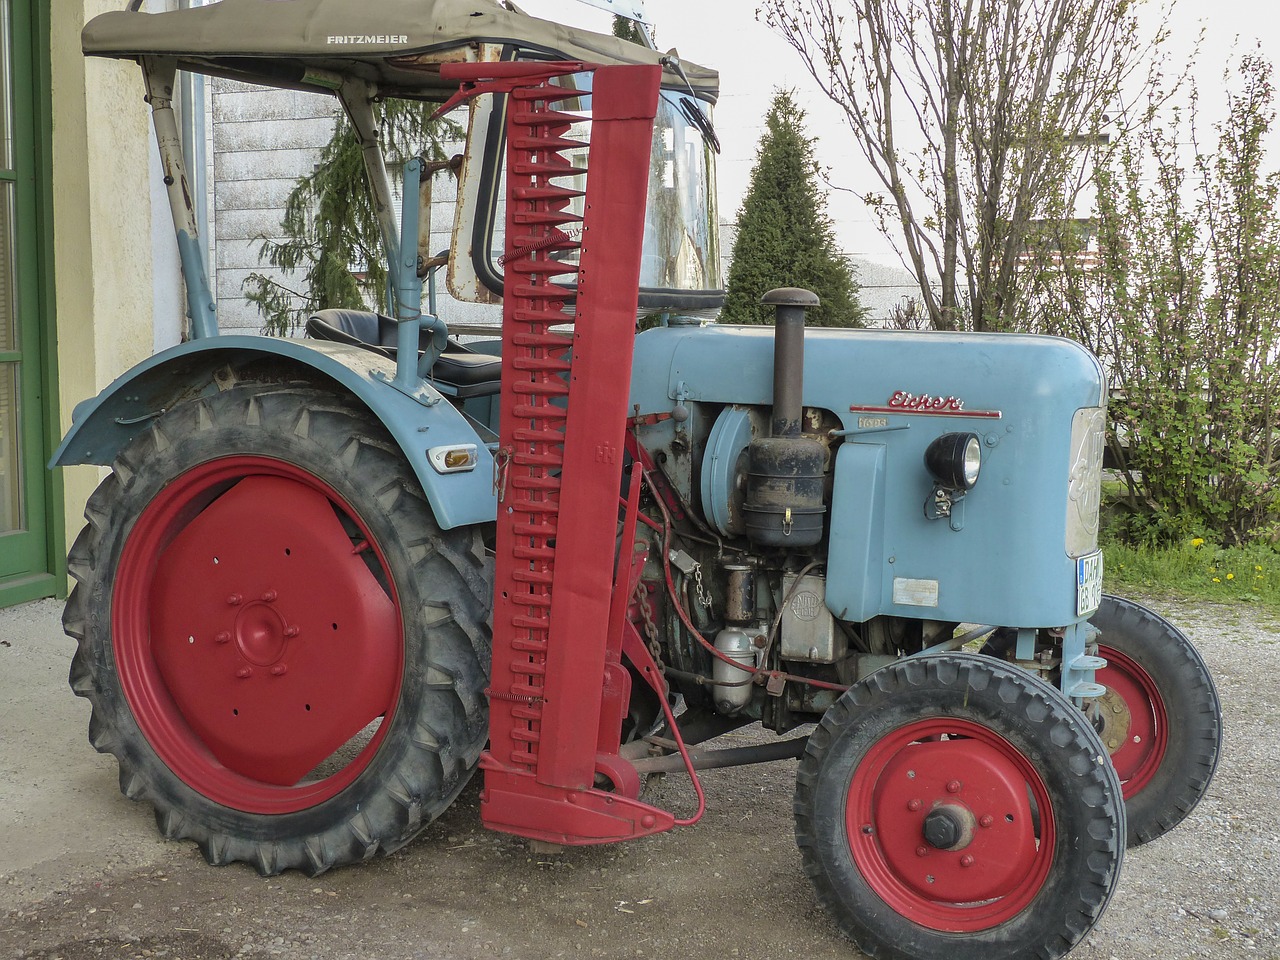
704	595
650	628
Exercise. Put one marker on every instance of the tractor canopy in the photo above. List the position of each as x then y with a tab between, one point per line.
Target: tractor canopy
395	48
396	44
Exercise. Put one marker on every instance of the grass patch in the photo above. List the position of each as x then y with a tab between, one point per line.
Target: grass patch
1196	569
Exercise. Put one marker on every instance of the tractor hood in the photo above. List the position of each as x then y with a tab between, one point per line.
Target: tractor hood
397	44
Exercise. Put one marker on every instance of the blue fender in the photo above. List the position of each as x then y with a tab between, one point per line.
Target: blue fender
103	425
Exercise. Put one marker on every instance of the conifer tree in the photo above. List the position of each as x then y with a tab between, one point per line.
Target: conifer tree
785	238
627	29
331	239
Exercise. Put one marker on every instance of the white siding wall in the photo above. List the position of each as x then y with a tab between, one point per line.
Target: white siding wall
263	141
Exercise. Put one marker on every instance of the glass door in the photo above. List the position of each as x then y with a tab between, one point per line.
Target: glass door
23	508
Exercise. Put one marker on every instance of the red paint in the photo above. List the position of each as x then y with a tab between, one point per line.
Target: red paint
908	774
1139	757
559	687
251	641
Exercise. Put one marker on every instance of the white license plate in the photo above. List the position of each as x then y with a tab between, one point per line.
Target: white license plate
1088	583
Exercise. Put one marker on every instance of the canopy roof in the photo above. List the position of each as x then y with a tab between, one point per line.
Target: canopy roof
396	43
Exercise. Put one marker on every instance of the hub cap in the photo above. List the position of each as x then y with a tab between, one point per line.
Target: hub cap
257	636
950	825
1135	725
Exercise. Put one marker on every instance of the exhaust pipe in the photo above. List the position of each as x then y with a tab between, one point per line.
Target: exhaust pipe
790	304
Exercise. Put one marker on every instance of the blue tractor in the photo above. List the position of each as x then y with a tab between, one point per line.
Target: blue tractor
329	578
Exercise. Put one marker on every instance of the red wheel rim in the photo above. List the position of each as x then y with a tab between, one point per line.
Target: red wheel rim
964	774
1135	723
257	637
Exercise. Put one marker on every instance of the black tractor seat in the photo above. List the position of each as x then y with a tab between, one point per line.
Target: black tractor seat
469	372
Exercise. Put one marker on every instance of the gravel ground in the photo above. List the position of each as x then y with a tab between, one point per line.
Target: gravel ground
83	873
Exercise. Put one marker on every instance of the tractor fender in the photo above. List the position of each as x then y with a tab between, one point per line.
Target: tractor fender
103	425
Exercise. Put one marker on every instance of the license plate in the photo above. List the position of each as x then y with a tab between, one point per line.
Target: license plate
1088	583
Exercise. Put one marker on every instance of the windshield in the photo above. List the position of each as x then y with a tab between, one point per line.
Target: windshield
680	254
681	239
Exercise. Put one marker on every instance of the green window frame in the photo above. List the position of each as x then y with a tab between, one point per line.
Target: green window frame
31	526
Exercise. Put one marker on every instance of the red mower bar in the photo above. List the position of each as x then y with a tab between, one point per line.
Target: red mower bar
558	688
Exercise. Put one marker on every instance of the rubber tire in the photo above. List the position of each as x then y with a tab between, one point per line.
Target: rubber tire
445	600
1044	727
1191	702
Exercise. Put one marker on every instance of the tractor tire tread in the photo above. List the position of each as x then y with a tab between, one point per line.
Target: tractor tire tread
459	639
1022	696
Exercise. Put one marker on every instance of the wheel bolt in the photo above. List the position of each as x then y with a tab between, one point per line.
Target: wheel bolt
244	673
223	637
922	851
986	820
953	786
235	600
279	670
914	804
291	631
270	596
1112	744
966	861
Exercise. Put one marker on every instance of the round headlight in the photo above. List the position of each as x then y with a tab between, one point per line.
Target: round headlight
954	460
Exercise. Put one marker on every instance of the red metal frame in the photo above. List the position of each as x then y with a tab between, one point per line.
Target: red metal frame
559	690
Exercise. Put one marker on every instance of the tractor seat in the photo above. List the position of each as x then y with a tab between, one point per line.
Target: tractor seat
470	372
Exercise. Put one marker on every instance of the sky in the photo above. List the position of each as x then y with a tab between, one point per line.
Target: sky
753	62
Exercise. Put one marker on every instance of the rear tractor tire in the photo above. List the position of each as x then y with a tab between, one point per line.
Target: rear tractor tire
952	807
281	648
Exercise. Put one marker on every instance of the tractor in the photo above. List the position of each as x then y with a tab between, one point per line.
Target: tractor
327	578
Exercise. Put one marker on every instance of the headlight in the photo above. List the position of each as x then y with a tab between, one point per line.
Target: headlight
1084	483
954	460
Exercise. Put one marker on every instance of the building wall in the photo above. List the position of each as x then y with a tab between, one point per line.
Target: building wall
262	141
103	265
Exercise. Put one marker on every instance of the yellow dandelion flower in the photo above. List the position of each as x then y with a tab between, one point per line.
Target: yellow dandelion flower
1257	568
1231	576
1217	580
1197	542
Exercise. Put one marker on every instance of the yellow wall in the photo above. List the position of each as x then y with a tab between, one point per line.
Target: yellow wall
102	223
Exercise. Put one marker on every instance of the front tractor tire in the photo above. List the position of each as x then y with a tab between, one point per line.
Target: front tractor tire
952	807
281	648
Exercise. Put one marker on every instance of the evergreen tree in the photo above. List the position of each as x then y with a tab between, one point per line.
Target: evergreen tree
331	233
627	29
785	238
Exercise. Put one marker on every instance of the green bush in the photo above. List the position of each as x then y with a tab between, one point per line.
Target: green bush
1182	303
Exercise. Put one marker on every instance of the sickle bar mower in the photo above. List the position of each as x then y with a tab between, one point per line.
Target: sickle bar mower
558	690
